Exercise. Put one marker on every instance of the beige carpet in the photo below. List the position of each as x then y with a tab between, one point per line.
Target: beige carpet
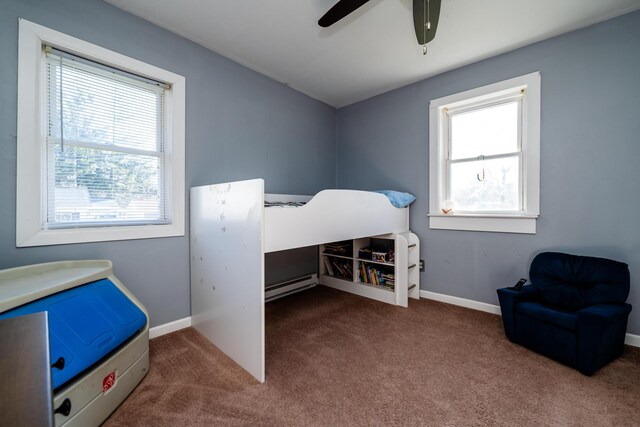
338	359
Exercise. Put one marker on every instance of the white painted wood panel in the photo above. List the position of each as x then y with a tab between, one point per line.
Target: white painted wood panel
333	215
227	270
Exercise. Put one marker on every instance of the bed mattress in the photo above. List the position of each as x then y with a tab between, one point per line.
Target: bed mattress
86	323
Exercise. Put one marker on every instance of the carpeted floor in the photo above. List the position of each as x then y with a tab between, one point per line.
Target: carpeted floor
337	359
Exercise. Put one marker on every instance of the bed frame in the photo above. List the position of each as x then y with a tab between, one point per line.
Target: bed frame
231	231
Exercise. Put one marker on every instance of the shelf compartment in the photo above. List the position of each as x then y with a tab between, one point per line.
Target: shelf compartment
339	267
376	274
342	248
379	250
384	267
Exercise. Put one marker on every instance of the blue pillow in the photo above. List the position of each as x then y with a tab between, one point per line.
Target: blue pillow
398	198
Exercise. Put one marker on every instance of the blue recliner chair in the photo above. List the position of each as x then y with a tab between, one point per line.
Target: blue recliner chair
574	311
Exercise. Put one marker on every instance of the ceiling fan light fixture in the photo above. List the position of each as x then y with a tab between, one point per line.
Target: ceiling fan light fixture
425	20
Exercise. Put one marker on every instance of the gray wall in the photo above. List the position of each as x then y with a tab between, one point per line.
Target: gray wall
239	125
243	125
590	159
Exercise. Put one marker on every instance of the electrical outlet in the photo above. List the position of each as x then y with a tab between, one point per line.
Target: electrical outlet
421	265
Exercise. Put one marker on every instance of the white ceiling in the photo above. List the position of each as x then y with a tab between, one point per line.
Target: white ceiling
374	49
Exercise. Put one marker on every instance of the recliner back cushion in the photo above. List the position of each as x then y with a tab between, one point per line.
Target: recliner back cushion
572	282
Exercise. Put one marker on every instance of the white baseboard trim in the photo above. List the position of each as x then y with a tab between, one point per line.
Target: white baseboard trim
630	339
167	328
633	340
462	302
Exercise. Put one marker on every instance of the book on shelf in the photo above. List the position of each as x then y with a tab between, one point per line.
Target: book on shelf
339	248
375	276
345	270
337	267
364	253
383	250
327	265
377	256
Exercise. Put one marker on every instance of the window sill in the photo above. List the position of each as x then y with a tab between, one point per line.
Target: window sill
525	224
97	234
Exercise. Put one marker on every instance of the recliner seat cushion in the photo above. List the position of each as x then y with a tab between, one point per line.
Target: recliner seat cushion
562	319
572	282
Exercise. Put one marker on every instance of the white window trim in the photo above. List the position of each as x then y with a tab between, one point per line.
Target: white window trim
31	148
505	223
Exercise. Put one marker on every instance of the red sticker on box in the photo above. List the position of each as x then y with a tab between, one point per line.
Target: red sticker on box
108	381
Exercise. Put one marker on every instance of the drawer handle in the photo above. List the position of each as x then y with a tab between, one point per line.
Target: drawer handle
59	364
64	408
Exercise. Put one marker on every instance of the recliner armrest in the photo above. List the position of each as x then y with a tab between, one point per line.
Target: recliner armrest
604	313
527	293
601	333
508	299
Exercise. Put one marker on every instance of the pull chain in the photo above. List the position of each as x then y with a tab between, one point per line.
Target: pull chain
427	24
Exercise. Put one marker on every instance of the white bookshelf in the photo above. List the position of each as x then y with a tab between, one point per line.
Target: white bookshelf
356	272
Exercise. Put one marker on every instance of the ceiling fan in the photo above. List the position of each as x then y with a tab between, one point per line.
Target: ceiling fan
425	17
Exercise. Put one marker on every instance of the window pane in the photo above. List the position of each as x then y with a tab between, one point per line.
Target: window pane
89	107
87	185
103	110
484	132
489	185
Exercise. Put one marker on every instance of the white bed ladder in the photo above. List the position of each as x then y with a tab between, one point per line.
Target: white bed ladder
408	268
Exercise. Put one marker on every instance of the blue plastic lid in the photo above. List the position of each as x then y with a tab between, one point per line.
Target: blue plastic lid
85	324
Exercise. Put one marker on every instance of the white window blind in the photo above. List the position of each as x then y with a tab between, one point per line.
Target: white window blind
105	150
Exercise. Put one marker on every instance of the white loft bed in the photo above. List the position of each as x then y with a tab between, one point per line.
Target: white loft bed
231	230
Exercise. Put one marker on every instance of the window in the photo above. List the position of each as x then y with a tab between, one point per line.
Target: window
100	139
484	158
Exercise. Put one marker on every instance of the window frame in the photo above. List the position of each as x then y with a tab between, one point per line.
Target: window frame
516	97
439	144
31	181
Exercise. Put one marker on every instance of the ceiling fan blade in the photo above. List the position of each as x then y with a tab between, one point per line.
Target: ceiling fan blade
424	10
339	11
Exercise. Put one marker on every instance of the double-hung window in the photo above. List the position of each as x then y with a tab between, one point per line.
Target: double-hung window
484	149
101	143
105	145
484	155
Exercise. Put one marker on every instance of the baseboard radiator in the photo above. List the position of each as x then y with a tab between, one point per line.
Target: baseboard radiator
288	287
